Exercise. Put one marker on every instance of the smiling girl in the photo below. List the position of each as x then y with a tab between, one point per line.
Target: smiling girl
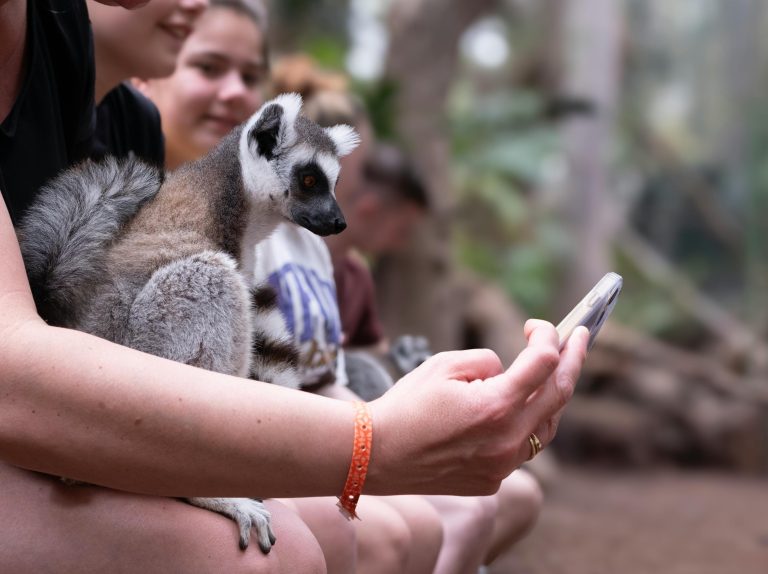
218	81
144	42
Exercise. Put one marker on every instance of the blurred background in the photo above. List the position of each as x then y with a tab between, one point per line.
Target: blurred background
562	139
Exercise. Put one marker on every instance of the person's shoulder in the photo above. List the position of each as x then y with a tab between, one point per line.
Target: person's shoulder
65	12
130	105
128	122
62	43
66	25
356	264
353	274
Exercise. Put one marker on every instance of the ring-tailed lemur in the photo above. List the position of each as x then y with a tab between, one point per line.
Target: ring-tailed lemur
166	266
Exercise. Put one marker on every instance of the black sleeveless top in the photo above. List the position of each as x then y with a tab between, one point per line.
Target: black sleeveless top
53	123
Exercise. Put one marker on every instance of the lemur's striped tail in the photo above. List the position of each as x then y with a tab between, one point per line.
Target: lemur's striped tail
76	215
275	358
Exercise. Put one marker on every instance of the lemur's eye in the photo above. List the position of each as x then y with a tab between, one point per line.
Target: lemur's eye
309	181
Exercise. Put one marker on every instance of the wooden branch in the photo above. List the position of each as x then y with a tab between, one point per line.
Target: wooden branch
660	272
634	347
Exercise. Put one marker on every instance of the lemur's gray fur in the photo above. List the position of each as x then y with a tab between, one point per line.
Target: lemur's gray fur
166	267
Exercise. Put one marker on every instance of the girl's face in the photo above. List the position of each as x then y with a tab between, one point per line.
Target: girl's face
146	41
217	84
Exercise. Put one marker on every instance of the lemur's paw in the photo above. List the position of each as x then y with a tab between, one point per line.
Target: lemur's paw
253	514
248	513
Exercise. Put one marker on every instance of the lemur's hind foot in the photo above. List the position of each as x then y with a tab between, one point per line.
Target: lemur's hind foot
248	513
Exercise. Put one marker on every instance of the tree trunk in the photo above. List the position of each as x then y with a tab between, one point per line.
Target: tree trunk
417	290
592	32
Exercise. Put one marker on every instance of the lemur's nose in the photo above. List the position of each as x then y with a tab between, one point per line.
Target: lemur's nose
339	225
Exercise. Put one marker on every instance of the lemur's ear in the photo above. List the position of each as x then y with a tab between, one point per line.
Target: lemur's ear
266	130
344	138
274	124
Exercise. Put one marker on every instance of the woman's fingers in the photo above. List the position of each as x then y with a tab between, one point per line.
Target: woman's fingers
545	408
533	366
532	325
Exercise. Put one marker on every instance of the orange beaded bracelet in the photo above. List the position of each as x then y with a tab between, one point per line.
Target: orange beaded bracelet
361	456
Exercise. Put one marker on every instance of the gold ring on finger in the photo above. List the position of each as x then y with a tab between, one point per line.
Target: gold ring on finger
536	445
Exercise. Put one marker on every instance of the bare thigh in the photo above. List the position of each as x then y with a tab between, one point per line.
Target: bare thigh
48	526
334	533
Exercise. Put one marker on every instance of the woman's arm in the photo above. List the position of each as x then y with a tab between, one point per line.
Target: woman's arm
78	406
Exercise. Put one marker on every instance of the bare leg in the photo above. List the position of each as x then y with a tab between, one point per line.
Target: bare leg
335	533
48	526
520	499
467	529
383	537
426	530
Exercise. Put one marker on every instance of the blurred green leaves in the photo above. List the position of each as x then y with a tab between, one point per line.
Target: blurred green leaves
502	148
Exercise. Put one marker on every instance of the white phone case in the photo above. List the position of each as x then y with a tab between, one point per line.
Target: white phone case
593	309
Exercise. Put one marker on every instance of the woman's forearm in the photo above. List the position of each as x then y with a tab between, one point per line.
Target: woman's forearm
81	407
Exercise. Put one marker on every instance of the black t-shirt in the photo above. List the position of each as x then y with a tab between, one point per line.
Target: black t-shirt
52	122
128	123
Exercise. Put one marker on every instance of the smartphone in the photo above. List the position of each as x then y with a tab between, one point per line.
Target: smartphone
592	310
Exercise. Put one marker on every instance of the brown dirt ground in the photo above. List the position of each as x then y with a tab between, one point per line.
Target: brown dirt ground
597	521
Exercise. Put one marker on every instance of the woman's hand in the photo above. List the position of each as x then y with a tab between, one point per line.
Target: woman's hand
459	423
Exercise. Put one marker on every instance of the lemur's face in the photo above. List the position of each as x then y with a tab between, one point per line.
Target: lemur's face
291	165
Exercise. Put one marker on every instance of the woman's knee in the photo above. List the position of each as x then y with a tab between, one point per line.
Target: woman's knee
383	537
86	529
521	494
335	534
426	527
422	519
297	548
476	512
520	499
204	542
466	518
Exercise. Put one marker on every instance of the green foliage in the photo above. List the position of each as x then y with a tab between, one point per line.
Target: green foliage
642	306
328	51
379	99
502	145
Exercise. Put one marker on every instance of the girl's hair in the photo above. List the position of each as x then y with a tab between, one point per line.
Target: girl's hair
388	165
327	98
254	9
